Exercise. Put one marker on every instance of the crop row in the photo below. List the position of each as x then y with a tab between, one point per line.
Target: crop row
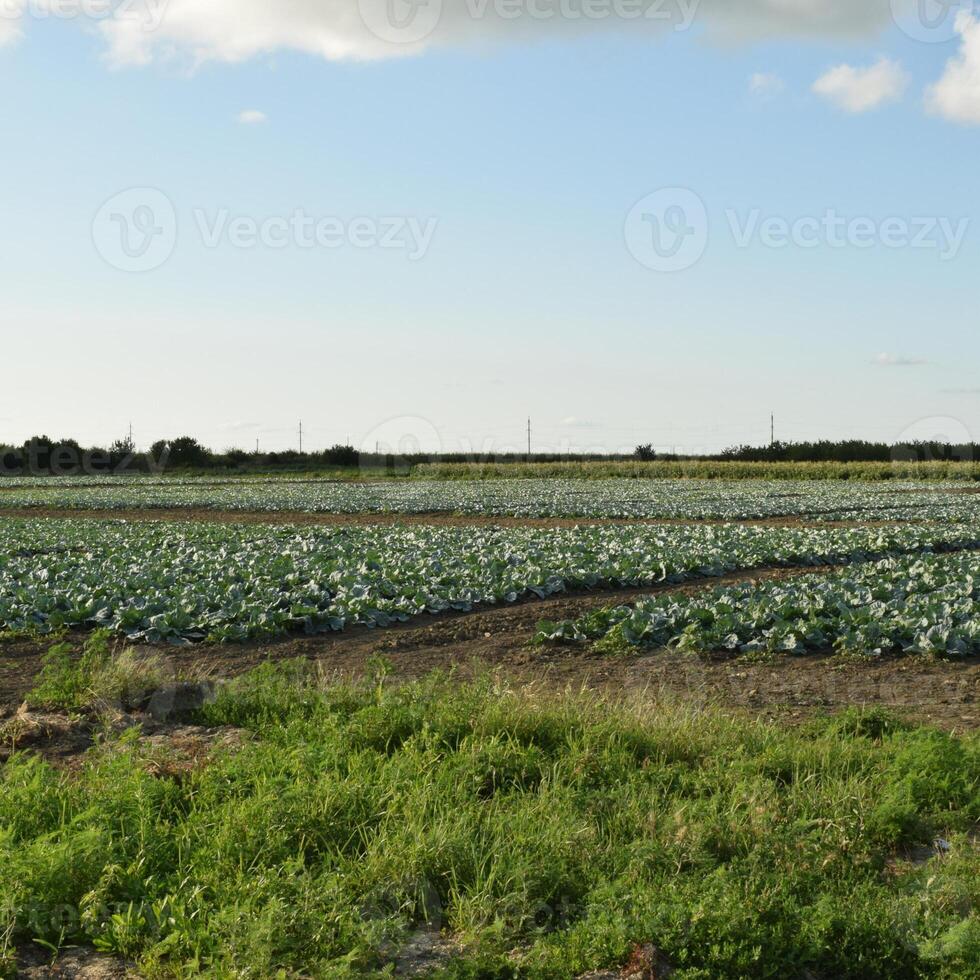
701	469
227	582
627	499
910	603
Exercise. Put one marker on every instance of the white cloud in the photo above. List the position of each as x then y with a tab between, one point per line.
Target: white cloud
234	30
862	89
252	117
956	96
9	32
765	85
897	360
11	14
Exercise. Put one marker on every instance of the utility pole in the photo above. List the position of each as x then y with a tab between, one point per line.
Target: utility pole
301	437
772	430
529	439
131	443
256	445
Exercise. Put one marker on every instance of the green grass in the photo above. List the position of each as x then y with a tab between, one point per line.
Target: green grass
701	470
544	835
70	680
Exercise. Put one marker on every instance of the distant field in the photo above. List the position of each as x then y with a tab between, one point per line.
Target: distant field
700	470
624	499
934	470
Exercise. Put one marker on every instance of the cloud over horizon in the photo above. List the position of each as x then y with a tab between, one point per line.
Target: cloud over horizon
146	31
956	96
898	360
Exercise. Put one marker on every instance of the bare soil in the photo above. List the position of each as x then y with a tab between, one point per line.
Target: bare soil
36	963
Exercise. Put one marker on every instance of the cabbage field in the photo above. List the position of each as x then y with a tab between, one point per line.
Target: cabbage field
453	809
816	501
909	603
195	581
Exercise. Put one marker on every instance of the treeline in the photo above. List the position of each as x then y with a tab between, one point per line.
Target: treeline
851	451
64	457
41	456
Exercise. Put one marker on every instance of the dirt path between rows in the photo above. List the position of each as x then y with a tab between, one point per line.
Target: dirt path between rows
436	518
497	638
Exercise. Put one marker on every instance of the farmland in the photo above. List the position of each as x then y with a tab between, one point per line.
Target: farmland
226	582
619	499
913	604
490	728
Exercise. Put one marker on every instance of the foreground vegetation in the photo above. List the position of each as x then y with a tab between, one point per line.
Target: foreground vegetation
465	831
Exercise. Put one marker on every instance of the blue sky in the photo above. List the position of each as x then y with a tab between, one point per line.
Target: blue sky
525	151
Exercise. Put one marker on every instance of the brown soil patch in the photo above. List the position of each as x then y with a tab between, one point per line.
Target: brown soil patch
172	747
436	518
35	963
